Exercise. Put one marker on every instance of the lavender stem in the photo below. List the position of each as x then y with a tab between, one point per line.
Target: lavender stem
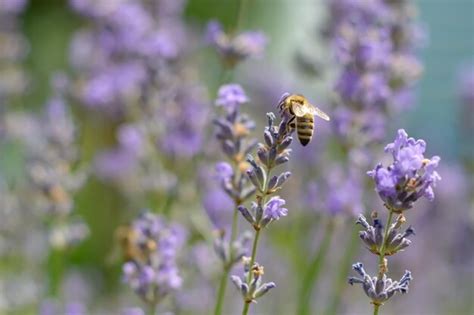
225	273
314	270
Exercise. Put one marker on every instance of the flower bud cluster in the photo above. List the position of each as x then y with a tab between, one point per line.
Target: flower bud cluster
232	132
272	153
151	247
373	235
380	289
51	154
256	288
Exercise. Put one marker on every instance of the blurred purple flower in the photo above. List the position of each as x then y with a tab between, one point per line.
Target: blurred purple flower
231	96
234	49
218	206
132	311
12	6
153	273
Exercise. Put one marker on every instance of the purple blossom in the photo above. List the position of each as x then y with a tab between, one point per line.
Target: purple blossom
224	171
274	208
409	177
132	311
153	273
231	96
344	195
234	49
12	6
218	206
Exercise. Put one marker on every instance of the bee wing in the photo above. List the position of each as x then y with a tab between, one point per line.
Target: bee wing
300	109
313	110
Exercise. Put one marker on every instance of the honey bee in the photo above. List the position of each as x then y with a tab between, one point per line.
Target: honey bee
127	240
301	114
133	248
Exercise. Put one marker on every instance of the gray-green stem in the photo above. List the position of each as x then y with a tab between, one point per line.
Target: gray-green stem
261	202
351	249
225	274
382	265
314	270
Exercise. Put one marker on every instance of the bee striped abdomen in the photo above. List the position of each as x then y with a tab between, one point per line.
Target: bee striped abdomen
304	129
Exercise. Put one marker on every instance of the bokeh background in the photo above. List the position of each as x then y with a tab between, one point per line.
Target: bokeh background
441	256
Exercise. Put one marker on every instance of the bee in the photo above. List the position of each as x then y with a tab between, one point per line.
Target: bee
301	116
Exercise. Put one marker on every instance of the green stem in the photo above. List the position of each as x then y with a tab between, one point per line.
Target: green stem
56	271
352	247
225	274
314	270
152	308
376	309
254	254
384	245
240	14
221	292
252	261
382	268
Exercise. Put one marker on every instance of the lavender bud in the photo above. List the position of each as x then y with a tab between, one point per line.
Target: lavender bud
272	155
229	148
264	289
268	138
220	249
263	156
246	214
283	178
272	182
271	118
254	179
284	144
281	160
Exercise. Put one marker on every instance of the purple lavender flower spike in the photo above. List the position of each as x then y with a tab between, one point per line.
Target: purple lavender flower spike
234	49
151	270
409	177
230	96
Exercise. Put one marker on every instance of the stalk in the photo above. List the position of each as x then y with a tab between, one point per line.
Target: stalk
352	247
382	266
314	270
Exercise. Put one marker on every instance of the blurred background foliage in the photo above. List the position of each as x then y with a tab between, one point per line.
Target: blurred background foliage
291	25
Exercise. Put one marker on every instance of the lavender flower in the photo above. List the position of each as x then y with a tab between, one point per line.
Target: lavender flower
234	49
273	152
274	208
151	270
13	50
409	177
256	289
379	289
232	132
51	152
375	43
231	96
